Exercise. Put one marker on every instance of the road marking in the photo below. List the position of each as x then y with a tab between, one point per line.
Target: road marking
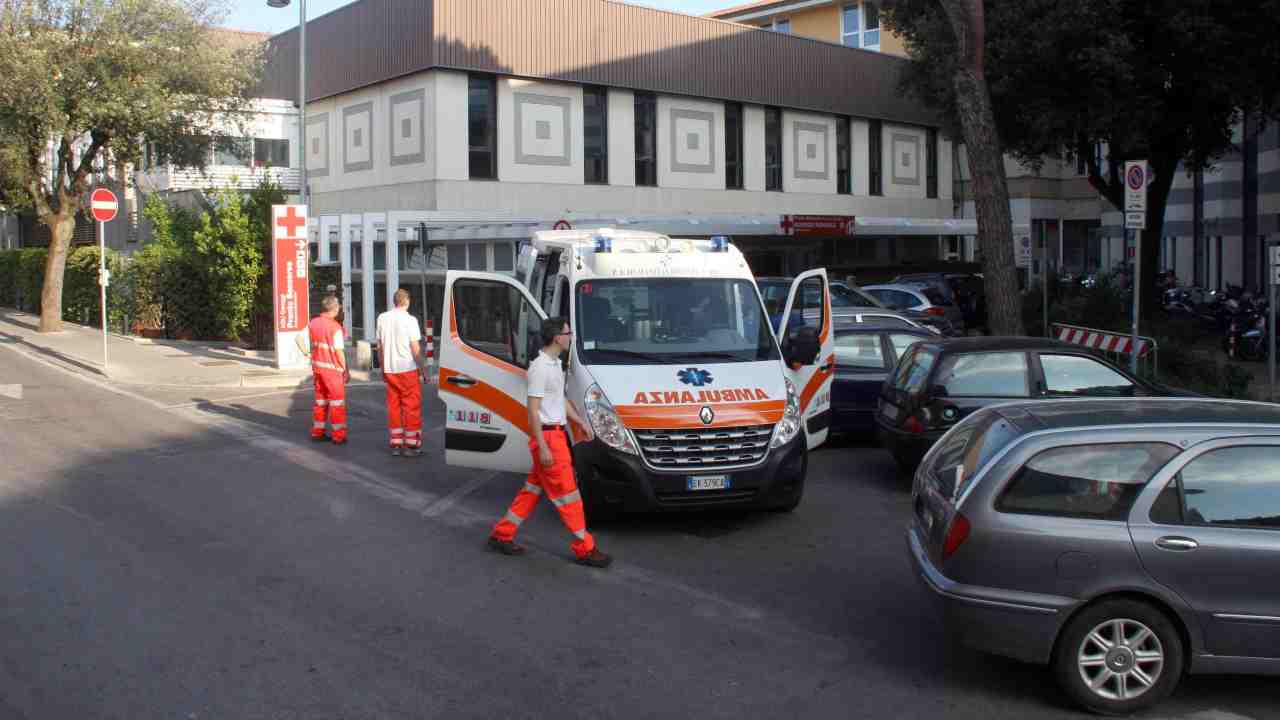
11	391
447	502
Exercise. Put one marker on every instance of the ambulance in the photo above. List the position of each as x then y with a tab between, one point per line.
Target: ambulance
693	400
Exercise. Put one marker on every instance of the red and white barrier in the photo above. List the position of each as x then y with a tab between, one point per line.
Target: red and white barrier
431	343
1102	340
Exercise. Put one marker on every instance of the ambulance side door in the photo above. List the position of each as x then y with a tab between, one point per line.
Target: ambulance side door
491	324
805	327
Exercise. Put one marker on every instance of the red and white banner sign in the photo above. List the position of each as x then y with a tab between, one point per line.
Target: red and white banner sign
817	225
289	280
103	205
1099	340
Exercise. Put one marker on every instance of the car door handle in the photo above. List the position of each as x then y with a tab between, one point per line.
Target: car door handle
1177	544
461	380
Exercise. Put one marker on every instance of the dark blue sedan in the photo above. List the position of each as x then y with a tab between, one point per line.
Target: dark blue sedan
865	354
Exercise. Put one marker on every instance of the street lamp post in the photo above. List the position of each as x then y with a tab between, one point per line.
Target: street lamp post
302	94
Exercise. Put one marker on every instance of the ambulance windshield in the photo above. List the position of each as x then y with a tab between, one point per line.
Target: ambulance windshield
661	320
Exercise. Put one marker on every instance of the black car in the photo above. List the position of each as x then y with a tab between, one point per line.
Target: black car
937	383
866	353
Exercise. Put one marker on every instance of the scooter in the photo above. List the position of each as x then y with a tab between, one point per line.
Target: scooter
1247	337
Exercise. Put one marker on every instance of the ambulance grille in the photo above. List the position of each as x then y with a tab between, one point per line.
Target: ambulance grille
712	448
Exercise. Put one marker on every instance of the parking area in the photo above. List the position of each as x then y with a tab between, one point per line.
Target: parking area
265	576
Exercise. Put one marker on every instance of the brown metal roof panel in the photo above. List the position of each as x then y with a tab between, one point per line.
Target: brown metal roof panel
590	41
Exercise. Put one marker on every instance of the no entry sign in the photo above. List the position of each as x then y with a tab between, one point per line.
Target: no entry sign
103	205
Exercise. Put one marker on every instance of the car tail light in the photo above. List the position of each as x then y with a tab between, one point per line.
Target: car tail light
957	533
913	425
935	311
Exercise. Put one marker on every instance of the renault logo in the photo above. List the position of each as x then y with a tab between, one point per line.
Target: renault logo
706	415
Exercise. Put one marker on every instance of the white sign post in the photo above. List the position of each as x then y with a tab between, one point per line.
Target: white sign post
103	207
1136	179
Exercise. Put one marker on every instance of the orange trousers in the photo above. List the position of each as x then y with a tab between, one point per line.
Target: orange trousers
404	409
559	485
331	404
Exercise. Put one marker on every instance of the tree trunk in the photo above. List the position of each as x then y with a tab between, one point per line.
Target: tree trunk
1157	201
986	167
61	227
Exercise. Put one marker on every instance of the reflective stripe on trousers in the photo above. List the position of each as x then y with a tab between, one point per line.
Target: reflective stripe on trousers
404	408
558	483
330	405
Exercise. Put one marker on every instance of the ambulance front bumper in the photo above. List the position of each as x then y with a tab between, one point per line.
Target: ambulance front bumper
624	481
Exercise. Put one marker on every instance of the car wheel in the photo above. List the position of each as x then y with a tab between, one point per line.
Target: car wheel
1119	657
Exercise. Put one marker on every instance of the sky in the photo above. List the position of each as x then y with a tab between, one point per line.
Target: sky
255	15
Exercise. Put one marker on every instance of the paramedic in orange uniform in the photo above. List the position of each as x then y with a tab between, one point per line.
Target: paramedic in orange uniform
401	362
329	370
552	471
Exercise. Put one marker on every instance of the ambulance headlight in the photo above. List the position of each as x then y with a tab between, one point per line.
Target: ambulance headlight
786	429
605	423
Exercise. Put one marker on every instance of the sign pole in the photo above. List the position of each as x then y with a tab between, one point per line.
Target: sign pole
1137	298
1271	320
102	287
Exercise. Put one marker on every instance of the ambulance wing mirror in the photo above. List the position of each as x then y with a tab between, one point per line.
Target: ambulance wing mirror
801	346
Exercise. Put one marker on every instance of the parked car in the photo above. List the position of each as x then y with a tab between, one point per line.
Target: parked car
919	298
1124	543
939	383
774	290
866	351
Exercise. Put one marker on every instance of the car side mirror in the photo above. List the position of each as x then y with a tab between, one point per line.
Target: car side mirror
801	346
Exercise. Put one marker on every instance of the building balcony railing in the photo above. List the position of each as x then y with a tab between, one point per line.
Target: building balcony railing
238	177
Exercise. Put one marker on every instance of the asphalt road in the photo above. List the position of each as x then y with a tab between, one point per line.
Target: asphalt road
193	555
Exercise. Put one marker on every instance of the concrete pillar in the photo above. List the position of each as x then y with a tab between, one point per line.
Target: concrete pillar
368	233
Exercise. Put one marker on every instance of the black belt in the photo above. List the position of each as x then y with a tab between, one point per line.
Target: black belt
552	427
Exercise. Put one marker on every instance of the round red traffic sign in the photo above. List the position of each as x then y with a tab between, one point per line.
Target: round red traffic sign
1137	177
103	205
562	225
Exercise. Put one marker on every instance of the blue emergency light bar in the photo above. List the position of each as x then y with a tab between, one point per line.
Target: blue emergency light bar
720	243
603	244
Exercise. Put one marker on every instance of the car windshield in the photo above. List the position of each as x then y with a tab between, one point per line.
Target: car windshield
662	320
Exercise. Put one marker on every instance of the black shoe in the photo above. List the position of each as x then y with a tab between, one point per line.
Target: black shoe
412	452
506	547
396	452
321	438
595	559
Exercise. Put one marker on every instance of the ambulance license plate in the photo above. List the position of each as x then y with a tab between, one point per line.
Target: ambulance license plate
708	482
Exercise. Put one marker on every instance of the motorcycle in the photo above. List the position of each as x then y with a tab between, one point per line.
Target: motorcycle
1247	337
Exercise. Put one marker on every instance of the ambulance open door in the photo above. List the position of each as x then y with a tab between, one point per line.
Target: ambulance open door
490	333
808	348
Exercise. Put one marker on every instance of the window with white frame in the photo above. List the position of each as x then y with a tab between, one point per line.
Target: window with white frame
860	25
782	25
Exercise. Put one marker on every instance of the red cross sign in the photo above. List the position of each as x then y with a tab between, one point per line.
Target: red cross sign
287	218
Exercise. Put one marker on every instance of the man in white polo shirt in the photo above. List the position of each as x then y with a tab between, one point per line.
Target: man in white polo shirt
552	471
400	355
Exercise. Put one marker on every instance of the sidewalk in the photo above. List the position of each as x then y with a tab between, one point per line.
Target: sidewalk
155	363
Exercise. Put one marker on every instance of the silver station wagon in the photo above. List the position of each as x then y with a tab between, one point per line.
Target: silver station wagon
1122	542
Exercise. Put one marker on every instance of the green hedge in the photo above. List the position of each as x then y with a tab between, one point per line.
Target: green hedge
22	277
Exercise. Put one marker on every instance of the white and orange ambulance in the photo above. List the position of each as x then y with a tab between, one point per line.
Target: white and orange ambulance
693	399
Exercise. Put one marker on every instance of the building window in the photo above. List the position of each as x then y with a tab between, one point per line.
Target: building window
269	152
780	25
931	164
232	151
733	146
482	127
875	158
844	178
646	110
595	129
860	25
772	149
503	257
